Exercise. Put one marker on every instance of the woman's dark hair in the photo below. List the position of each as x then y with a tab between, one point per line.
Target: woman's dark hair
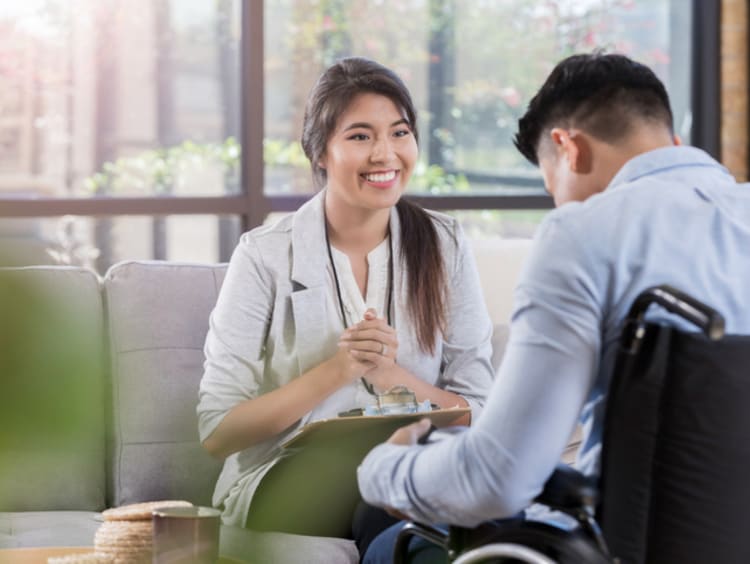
420	245
600	93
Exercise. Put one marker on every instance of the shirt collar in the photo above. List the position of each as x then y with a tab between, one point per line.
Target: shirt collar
662	159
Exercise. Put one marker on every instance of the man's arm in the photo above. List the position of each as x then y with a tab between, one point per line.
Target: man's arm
498	466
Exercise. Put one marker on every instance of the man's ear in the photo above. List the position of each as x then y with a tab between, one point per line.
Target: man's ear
677	140
575	147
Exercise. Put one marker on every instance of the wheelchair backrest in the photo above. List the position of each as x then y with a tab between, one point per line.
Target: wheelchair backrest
676	450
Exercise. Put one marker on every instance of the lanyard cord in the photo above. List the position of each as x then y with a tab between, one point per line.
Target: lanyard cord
389	298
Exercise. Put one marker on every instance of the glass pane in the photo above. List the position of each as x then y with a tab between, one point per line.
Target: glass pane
506	224
125	98
480	224
98	243
471	65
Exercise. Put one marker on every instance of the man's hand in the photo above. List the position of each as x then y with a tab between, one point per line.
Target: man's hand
410	434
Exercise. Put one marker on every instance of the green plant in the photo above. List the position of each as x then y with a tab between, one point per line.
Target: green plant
154	171
280	152
434	180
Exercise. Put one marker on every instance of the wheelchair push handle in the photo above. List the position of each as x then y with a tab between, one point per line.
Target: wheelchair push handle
710	321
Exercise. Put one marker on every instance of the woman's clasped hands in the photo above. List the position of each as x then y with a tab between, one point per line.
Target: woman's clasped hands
371	345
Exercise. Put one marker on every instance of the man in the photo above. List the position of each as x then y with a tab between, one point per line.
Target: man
635	209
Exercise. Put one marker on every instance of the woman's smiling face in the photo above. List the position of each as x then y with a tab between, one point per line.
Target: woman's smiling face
370	155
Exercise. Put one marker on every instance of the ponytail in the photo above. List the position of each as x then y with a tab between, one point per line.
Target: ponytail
420	247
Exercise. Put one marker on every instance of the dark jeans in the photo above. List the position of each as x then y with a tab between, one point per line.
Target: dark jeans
368	523
420	551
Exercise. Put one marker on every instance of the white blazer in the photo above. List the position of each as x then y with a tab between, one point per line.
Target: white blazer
271	324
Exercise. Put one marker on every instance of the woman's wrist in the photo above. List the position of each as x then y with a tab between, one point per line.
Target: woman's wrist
390	377
336	371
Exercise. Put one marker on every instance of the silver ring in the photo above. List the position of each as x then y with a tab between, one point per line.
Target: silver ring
383	350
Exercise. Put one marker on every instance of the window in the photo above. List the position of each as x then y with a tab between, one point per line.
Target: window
116	116
123	125
472	66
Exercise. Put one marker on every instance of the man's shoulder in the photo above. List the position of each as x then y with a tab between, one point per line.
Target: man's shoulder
638	198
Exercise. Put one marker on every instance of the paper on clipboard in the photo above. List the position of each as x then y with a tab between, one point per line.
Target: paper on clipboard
366	430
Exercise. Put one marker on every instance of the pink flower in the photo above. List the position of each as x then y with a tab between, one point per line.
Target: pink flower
510	96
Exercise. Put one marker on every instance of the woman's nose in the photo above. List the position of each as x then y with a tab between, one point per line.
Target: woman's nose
382	150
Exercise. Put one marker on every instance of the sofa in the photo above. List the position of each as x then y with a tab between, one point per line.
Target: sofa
103	386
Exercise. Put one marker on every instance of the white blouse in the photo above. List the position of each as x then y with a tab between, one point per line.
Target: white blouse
355	305
377	283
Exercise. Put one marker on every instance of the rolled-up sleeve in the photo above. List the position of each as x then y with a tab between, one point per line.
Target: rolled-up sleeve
233	369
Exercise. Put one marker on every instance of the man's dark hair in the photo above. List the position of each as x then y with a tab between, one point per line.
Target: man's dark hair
600	93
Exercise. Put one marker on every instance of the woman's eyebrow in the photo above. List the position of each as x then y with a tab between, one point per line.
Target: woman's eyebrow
358	125
365	125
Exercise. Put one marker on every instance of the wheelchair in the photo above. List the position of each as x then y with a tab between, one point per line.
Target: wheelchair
675	458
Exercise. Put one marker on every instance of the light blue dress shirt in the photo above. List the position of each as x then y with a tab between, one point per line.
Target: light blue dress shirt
670	216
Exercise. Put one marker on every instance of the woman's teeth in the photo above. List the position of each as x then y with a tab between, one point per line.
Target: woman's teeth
380	176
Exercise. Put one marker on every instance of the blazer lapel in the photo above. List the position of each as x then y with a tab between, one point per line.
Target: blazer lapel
309	278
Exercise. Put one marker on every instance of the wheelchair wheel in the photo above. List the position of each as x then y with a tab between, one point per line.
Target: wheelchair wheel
504	552
531	542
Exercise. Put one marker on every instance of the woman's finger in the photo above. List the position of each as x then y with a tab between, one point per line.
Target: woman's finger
386	349
369	356
386	336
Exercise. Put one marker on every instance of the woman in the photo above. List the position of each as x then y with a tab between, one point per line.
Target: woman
355	293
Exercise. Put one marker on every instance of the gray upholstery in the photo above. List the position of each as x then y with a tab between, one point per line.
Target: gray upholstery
48	528
157	317
52	397
142	408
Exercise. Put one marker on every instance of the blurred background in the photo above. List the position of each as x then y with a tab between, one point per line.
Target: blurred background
162	129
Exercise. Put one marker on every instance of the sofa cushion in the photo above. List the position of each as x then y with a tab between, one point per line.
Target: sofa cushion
52	421
157	314
48	528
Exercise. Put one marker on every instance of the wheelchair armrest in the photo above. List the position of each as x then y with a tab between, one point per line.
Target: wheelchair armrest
411	529
568	490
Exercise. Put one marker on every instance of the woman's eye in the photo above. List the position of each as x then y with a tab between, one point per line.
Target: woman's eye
358	137
402	133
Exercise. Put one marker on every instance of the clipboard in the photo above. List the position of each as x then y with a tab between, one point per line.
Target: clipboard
366	431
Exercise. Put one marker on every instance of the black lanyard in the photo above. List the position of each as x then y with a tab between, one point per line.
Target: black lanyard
389	296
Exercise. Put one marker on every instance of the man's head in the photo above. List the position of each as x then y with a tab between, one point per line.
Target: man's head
593	113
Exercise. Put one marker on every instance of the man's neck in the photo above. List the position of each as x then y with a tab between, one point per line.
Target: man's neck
612	157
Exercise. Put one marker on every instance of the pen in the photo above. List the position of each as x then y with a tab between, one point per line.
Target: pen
423	439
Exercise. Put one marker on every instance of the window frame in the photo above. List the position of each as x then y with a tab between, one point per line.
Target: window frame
252	205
